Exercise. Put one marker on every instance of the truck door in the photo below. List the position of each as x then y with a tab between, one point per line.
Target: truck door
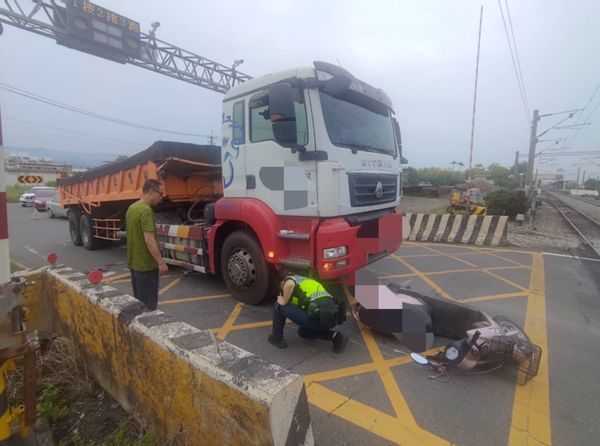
275	174
233	153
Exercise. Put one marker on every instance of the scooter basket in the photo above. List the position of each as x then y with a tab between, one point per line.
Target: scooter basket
529	369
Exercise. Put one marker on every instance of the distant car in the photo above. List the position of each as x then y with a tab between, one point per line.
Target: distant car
27	198
41	196
54	208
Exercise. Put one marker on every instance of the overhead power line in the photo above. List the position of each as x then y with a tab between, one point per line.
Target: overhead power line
58	129
575	132
514	55
91	114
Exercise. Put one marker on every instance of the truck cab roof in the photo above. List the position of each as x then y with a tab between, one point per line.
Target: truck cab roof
259	83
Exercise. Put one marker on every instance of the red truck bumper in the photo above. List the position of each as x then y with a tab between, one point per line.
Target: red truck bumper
366	242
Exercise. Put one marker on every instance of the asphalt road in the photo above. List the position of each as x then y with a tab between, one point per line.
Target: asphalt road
372	394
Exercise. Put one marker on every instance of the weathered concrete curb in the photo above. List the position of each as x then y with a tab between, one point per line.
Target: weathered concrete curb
190	385
489	230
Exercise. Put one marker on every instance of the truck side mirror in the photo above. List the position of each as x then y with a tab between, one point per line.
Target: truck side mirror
283	114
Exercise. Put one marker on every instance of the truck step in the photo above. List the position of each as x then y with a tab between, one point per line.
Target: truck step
293	235
295	262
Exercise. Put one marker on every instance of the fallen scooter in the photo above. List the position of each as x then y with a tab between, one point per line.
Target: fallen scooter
482	344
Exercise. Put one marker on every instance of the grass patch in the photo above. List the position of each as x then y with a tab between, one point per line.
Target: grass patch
79	412
14	192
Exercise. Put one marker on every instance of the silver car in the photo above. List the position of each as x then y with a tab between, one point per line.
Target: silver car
54	208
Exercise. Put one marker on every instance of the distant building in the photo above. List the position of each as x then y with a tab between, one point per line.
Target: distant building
19	166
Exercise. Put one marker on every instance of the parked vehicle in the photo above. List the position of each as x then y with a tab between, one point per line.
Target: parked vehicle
27	198
54	208
307	178
41	196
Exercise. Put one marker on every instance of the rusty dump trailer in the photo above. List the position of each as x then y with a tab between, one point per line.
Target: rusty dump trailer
97	199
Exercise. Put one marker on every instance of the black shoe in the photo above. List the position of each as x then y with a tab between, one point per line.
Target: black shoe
339	342
279	343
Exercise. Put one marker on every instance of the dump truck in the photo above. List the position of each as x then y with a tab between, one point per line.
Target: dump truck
307	178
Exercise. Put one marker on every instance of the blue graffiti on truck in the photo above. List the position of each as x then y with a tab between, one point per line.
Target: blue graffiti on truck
231	150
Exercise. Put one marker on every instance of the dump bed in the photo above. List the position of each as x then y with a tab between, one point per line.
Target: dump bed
189	172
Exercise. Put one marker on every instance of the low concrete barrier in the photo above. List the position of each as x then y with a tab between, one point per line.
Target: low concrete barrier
488	230
187	383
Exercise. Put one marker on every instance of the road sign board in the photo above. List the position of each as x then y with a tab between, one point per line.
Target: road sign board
30	179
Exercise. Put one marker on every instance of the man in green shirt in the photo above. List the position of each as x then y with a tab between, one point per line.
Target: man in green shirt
143	254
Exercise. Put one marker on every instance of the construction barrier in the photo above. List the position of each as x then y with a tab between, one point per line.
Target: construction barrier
489	230
186	382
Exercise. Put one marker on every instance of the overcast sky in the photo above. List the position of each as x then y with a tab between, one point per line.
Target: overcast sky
422	53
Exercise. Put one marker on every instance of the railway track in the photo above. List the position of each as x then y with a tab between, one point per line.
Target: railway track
581	215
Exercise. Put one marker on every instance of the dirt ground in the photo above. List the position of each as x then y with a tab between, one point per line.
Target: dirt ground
550	231
423	205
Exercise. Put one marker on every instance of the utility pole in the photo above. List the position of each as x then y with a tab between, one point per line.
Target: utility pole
583	179
474	105
578	173
516	166
533	139
4	254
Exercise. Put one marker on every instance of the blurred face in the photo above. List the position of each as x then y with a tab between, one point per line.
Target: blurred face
156	195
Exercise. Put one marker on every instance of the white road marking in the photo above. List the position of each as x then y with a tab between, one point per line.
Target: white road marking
571	257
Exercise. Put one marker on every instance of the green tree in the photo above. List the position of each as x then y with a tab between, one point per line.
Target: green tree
591	184
440	177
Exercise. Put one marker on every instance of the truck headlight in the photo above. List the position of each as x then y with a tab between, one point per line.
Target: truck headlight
333	253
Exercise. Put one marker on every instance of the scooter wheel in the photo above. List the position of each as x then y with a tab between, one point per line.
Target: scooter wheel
522	341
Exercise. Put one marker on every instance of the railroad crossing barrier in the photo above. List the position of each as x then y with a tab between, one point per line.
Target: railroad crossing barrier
489	230
184	381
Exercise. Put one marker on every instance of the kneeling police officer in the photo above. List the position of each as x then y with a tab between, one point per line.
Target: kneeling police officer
316	312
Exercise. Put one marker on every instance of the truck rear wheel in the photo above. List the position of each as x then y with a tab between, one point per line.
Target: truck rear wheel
245	271
87	234
74	228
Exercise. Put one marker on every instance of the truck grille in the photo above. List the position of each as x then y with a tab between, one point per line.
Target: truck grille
363	188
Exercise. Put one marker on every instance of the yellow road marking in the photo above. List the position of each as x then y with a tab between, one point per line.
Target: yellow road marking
193	299
397	276
424	278
401	429
451	256
170	285
505	280
226	328
531	406
495	296
117	278
21	265
391	428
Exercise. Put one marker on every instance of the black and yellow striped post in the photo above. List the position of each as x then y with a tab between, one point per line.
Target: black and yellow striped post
6	417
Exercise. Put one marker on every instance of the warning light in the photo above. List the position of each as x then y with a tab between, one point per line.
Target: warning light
327	266
271	254
95	277
52	258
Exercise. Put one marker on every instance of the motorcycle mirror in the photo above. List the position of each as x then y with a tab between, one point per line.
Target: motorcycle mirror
419	359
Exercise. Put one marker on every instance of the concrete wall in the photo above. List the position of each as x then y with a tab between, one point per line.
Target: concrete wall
489	230
189	385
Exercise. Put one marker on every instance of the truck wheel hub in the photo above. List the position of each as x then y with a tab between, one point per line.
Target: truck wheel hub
241	268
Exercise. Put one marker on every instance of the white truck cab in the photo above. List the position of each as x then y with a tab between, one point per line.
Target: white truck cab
313	141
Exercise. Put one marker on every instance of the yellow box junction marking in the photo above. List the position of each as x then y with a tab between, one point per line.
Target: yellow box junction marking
531	406
531	413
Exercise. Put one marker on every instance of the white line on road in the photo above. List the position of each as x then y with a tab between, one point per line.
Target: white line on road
571	257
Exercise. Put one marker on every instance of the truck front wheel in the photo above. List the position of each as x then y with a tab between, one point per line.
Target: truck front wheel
245	271
74	228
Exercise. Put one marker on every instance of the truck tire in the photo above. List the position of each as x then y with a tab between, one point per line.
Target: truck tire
245	271
74	228
86	233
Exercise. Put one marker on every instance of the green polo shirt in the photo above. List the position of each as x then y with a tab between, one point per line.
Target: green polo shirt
139	219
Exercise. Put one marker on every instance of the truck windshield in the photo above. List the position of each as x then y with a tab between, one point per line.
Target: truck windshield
358	123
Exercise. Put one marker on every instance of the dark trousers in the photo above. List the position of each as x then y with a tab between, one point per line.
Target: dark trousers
307	328
145	287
